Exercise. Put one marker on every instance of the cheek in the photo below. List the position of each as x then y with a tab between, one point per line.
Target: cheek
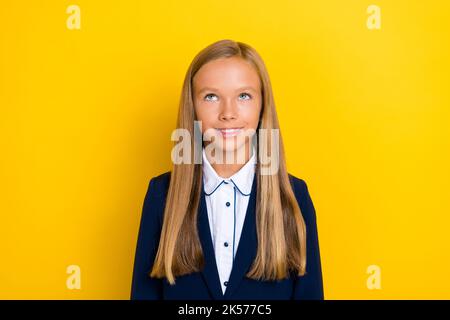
205	115
251	113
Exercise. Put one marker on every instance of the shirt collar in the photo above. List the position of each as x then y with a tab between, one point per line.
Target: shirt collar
243	179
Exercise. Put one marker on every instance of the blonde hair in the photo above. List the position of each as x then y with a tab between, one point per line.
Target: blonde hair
281	231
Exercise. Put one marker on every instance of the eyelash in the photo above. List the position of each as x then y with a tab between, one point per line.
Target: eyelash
212	94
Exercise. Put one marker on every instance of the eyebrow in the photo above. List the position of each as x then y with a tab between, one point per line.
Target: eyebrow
239	89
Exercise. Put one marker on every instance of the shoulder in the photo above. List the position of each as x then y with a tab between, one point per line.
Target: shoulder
156	192
159	184
299	186
154	201
302	193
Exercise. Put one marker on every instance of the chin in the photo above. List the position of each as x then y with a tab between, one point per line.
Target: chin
230	146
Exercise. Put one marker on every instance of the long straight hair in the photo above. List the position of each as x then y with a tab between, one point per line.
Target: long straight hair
281	231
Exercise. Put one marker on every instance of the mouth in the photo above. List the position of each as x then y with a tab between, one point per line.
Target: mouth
230	132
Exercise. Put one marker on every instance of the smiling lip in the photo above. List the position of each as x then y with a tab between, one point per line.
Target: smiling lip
229	132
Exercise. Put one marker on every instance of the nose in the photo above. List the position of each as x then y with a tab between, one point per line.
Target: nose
228	111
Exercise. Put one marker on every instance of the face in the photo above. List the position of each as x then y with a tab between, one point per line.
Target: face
227	101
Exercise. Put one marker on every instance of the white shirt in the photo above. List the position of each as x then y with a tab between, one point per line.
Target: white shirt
226	202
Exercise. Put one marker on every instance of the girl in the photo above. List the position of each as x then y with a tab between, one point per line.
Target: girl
228	229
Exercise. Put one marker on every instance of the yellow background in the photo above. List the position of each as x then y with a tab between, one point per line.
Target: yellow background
86	117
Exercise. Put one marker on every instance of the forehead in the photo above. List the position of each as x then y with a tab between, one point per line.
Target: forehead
226	74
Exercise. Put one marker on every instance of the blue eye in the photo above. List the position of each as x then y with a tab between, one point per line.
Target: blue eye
245	95
211	97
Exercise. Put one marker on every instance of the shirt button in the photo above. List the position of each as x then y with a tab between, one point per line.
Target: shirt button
228	204
226	244
225	283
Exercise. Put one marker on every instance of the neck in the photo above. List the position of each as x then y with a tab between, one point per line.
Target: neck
225	169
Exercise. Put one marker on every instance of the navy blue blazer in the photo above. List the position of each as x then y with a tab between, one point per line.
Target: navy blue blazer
205	285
